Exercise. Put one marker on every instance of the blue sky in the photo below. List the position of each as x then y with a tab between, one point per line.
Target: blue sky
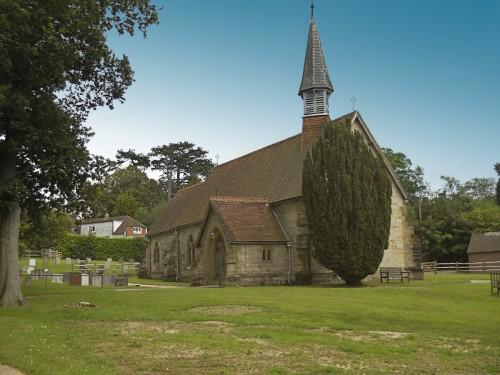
224	74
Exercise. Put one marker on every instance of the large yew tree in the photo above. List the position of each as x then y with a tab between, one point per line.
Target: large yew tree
55	67
347	194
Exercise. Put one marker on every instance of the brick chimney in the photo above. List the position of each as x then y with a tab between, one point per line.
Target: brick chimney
311	128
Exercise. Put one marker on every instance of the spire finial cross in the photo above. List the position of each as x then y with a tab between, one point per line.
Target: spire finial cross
353	100
312	8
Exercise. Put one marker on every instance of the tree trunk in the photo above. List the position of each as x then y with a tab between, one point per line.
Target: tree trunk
10	218
10	282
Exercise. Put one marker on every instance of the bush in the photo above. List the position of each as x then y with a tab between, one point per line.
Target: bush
347	195
101	248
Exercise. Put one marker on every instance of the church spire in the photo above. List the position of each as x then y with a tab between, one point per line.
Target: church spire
316	86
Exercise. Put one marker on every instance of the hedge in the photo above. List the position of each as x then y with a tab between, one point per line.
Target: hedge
101	248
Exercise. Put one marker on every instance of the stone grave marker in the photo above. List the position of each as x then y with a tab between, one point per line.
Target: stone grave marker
85	279
68	260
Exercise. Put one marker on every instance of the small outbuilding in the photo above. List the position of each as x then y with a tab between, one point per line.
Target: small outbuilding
484	247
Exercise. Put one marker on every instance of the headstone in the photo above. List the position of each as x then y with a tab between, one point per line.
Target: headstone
109	279
78	261
109	260
57	278
68	260
96	280
89	260
58	260
66	277
125	268
85	279
75	278
32	263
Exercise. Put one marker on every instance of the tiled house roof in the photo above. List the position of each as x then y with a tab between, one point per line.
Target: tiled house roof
127	223
247	219
484	242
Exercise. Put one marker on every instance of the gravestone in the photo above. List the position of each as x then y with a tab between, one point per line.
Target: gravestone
96	280
89	260
85	279
75	278
78	261
68	261
109	279
57	278
66	277
58	260
125	268
32	262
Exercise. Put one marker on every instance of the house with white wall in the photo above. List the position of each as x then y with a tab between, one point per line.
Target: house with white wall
117	226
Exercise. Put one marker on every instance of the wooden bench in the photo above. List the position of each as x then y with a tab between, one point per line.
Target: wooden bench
495	282
397	273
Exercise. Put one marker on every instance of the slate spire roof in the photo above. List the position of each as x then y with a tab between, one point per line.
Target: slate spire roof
315	75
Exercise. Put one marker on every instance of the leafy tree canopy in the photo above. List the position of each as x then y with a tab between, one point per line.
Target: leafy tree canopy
410	176
126	191
55	67
181	164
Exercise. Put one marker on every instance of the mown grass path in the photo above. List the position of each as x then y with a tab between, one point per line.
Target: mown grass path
443	325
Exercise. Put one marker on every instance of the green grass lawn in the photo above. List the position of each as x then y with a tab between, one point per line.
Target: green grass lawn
443	325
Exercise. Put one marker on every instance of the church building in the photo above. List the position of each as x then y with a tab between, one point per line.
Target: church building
246	223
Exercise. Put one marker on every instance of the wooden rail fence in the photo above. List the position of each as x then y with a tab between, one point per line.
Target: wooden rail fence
485	267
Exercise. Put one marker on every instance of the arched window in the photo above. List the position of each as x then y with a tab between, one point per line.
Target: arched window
156	255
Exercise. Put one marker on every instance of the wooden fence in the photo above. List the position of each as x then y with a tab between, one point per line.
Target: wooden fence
461	267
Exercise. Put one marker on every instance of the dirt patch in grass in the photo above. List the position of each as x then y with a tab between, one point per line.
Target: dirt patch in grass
218	347
366	336
226	310
172	327
7	370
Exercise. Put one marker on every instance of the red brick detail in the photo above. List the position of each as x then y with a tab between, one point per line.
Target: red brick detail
311	128
130	232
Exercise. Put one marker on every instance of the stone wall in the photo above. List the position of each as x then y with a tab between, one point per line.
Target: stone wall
258	264
400	250
170	244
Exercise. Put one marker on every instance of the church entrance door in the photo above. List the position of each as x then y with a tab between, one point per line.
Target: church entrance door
219	261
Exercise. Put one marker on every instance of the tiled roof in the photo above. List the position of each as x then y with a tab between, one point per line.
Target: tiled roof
273	173
484	242
247	219
104	219
127	223
315	74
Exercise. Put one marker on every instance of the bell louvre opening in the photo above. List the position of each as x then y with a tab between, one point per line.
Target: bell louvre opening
315	102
